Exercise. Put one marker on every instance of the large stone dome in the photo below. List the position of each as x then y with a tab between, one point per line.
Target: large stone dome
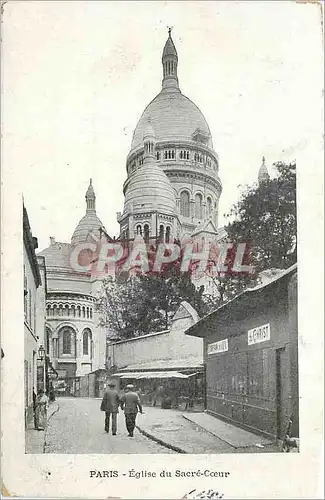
173	117
149	189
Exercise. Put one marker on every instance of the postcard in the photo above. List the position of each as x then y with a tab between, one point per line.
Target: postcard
162	242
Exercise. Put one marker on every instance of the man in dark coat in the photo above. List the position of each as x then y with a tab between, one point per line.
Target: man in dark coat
109	405
130	402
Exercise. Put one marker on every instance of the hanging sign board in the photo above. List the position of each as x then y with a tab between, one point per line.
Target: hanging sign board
259	334
216	347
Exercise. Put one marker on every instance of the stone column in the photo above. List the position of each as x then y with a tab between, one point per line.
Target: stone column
78	353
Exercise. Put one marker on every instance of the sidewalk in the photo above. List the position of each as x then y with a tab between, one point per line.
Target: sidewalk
199	433
35	440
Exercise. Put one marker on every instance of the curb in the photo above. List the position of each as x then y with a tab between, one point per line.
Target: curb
160	441
47	423
215	435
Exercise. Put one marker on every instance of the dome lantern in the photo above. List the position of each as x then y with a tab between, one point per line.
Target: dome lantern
90	198
263	175
170	61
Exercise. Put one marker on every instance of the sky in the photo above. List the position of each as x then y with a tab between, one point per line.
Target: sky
77	76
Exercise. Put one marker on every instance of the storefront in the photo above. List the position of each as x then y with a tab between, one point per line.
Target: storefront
166	367
251	357
167	389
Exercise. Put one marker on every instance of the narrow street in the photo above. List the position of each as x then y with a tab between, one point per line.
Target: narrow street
78	427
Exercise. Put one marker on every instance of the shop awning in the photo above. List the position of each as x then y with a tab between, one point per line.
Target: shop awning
150	375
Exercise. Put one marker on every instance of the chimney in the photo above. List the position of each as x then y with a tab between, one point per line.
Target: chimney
52	240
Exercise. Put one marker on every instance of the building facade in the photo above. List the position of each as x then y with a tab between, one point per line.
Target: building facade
75	343
34	321
251	357
169	360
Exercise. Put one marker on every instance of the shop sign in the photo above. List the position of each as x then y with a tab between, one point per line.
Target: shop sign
259	334
216	347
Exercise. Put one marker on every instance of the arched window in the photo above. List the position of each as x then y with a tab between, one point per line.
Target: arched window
146	233
78	311
87	312
85	342
181	155
66	341
66	310
166	155
173	154
91	314
161	233
198	206
158	155
83	312
167	238
185	204
187	155
73	311
139	230
209	206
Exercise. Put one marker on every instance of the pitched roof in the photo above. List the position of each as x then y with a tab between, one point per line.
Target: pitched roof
208	227
265	283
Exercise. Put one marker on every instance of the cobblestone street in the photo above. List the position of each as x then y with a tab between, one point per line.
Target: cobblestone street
78	427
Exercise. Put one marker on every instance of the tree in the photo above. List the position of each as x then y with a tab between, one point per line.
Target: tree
265	219
136	305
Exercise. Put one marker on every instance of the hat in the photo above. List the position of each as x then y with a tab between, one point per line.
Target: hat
111	384
130	386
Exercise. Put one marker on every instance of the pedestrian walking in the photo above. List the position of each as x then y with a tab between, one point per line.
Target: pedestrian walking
110	404
130	403
41	410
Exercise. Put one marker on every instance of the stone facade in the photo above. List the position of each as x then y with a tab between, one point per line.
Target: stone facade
75	344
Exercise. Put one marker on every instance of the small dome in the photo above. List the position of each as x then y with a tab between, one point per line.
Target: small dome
150	189
88	229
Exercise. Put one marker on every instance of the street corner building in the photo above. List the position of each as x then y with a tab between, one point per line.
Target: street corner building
37	366
251	357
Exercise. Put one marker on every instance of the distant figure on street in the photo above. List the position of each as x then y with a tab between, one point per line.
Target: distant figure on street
109	405
130	403
41	410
